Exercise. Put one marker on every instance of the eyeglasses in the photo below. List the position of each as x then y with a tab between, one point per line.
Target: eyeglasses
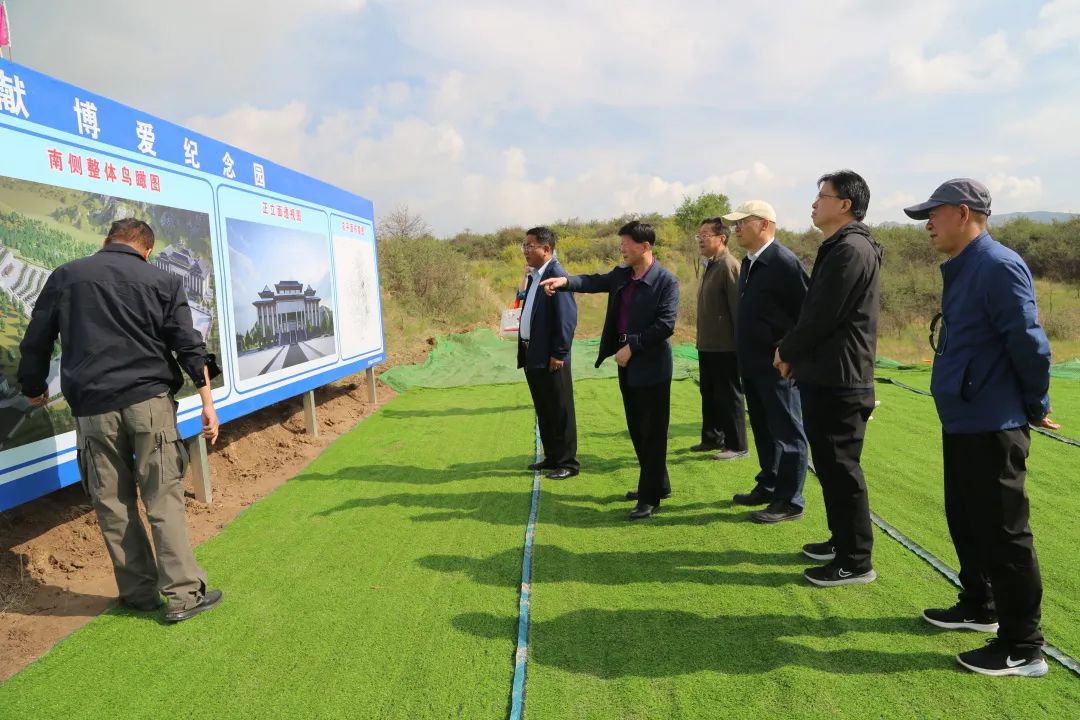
826	195
939	334
740	223
529	248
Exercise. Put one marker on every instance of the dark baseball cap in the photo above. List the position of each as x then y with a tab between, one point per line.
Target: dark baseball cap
958	191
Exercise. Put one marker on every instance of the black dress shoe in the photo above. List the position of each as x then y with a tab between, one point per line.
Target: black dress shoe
562	473
757	496
632	495
539	466
209	601
778	511
145	605
706	447
643	510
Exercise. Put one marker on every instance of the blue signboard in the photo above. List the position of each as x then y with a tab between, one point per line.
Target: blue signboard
280	269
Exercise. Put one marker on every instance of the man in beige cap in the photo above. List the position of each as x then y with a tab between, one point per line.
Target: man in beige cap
772	285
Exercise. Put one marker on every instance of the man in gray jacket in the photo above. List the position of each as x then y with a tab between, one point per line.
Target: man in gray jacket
831	352
723	417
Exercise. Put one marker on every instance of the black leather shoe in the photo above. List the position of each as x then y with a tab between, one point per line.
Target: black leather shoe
632	495
539	466
757	496
643	510
706	447
209	601
778	511
562	473
141	605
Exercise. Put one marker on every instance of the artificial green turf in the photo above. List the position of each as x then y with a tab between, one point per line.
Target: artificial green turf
698	613
382	582
902	460
329	610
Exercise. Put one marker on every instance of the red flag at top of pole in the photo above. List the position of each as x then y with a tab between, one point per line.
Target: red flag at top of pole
5	36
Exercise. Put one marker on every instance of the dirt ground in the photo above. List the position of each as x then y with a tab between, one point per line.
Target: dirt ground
55	574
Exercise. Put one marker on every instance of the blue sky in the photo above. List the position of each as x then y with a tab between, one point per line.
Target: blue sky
484	113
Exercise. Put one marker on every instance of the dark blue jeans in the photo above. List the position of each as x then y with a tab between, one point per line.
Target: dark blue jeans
776	420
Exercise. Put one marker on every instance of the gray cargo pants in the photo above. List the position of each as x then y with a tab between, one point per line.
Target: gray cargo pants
131	452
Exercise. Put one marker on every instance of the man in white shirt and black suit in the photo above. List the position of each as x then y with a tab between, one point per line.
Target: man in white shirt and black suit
544	339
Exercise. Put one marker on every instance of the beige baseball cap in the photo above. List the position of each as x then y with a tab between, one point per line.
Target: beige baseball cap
757	208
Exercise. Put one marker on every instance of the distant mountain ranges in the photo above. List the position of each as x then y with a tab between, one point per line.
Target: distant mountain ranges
1039	216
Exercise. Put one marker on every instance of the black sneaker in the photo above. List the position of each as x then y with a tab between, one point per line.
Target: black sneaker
778	511
997	658
957	618
825	551
830	575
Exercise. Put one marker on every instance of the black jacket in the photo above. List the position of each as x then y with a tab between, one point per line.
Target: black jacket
653	311
120	320
554	319
835	341
771	292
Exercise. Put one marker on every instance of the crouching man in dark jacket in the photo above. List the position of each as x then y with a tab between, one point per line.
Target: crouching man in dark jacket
831	352
991	379
643	303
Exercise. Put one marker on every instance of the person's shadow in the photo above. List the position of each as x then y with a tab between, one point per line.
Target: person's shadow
21	593
555	564
655	643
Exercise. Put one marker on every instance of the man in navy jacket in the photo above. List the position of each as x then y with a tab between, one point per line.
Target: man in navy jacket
544	338
772	285
991	378
643	303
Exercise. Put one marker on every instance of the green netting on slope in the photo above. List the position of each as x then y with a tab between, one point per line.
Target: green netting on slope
1067	370
481	357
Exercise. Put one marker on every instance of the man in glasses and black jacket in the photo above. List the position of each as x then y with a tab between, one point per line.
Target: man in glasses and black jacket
831	352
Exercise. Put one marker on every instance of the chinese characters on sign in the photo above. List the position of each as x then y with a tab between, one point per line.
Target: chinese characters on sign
145	132
86	116
191	153
93	168
13	101
352	227
282	211
13	95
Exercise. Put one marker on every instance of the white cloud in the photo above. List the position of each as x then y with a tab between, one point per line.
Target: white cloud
989	65
1059	26
1011	187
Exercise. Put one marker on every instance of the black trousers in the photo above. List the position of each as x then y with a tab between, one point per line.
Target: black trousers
553	399
777	422
987	510
835	421
648	410
723	415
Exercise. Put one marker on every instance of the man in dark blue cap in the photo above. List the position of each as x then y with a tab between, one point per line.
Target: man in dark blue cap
990	380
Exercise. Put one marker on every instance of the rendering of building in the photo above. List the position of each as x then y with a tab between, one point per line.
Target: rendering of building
195	272
288	311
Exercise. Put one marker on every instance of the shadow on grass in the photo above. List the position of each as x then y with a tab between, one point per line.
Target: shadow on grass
512	466
664	643
504	508
391	412
555	564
